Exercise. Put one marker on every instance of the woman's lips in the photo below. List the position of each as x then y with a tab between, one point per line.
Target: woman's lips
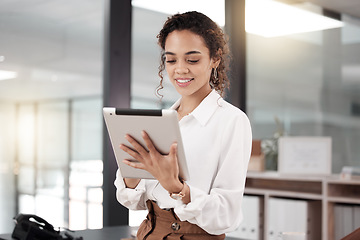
183	82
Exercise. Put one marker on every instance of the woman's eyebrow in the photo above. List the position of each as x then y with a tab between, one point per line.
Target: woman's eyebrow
169	53
192	52
188	53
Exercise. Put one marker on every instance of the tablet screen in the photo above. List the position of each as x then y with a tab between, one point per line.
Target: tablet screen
161	125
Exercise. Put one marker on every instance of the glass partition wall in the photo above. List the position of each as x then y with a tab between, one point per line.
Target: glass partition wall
50	112
145	55
308	84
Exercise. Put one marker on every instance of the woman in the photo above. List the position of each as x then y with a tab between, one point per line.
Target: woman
216	137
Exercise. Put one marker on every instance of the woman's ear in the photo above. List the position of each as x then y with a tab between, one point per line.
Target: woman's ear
216	63
216	59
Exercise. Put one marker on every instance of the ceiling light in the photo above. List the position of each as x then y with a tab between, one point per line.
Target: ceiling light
269	18
5	75
214	9
266	18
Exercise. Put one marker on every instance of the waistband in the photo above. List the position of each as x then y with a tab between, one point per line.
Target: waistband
165	223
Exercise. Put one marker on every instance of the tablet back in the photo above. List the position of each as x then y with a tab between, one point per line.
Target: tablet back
161	125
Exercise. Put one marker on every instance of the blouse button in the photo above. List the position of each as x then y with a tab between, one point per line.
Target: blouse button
175	226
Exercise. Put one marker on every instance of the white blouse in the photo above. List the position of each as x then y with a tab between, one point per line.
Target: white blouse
217	141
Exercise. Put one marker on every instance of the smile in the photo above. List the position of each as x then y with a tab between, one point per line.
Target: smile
184	80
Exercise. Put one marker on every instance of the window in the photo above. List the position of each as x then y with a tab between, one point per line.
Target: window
50	111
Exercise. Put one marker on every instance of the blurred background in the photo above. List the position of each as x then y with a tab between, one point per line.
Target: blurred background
51	91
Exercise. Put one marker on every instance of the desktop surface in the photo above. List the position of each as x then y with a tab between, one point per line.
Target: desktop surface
106	233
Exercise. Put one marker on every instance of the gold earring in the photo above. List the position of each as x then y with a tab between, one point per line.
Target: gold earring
215	75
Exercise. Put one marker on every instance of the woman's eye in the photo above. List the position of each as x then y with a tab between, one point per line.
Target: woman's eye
192	61
170	61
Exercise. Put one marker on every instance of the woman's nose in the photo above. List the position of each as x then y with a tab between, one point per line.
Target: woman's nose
181	68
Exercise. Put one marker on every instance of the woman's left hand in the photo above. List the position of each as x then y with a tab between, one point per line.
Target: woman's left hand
163	167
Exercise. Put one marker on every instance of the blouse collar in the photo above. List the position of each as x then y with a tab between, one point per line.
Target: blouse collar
203	112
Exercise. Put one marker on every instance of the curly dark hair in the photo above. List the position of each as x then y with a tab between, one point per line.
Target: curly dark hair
214	38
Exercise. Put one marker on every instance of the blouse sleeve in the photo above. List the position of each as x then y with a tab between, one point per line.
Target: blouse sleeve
220	211
133	199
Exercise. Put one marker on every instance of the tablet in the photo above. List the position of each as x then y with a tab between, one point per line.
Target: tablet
161	125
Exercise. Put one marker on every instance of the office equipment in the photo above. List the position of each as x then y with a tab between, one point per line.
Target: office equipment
294	215
305	155
251	226
161	125
356	216
346	219
31	227
327	190
293	236
350	172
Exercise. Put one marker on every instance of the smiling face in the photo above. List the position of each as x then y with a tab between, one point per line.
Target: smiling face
188	63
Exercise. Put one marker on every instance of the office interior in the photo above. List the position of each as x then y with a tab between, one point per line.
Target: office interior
53	63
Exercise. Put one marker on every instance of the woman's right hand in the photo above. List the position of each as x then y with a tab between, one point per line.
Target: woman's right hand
163	167
131	182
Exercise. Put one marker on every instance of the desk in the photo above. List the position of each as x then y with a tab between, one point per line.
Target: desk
106	233
120	232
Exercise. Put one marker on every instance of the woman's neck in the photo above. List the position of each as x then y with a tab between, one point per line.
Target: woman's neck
189	103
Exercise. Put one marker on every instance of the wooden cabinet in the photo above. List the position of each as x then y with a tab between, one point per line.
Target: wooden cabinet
328	190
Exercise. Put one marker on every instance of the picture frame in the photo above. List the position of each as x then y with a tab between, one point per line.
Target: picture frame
305	155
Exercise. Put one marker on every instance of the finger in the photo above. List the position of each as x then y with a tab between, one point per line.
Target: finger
148	142
173	150
131	152
138	147
133	164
